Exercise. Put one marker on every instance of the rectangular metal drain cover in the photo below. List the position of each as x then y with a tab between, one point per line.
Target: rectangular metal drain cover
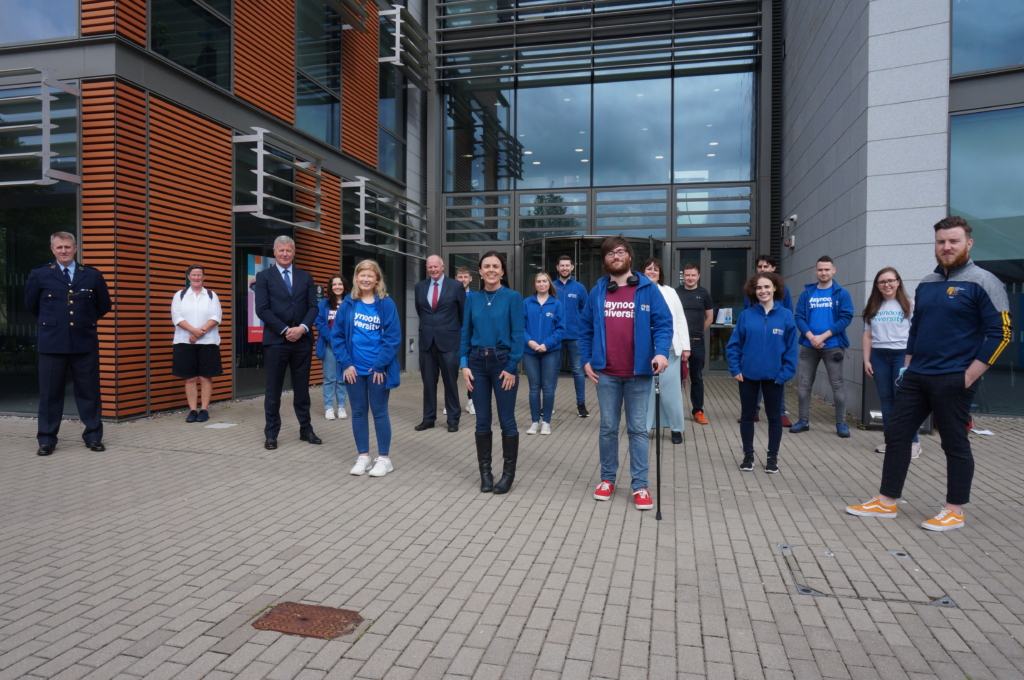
309	620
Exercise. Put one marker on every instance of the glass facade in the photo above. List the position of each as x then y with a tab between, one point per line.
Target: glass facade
986	161
192	36
633	128
28	215
318	71
391	117
987	34
23	21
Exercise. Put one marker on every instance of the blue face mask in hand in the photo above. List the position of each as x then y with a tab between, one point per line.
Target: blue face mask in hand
899	378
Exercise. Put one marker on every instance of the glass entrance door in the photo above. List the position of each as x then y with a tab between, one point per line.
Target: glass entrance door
585	251
723	271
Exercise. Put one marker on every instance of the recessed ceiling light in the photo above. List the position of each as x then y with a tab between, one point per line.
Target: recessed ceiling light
709	125
527	152
468	155
584	160
639	95
525	135
579	149
717	90
711	154
582	132
659	156
643	128
566	99
713	144
536	162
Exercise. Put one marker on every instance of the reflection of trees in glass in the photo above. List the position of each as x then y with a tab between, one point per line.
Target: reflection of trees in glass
545	209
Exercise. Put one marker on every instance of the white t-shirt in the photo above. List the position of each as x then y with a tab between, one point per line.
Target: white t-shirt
889	328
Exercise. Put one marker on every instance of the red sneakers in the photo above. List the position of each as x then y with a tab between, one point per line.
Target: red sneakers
643	499
604	491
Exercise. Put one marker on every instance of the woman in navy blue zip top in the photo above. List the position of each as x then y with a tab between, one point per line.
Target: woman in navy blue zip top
366	338
492	345
762	356
545	325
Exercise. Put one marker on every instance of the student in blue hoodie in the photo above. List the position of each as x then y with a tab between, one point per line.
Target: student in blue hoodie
823	312
366	338
625	336
542	355
573	296
762	356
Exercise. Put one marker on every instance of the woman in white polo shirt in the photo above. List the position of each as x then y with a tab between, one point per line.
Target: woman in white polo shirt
196	314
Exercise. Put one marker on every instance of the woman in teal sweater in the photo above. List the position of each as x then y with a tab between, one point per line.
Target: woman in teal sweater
492	345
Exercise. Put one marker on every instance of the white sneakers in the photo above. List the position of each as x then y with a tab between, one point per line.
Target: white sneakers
470	409
361	466
545	428
534	429
341	413
381	466
330	414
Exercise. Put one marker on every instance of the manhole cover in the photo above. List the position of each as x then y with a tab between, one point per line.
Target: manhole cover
309	620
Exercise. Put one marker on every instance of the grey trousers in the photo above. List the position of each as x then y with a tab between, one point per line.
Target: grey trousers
808	367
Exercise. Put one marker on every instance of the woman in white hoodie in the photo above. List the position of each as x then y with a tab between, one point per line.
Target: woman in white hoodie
672	410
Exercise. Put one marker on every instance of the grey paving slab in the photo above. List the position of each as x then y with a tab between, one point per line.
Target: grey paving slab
153	559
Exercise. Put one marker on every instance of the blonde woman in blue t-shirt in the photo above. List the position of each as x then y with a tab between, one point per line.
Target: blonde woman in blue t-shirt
886	329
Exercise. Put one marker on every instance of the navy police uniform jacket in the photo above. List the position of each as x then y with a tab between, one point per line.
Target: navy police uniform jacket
68	314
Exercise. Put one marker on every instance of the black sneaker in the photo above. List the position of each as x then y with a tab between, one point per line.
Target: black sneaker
192	417
748	463
582	408
772	466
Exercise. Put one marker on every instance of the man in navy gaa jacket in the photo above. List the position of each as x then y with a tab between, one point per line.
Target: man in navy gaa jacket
960	326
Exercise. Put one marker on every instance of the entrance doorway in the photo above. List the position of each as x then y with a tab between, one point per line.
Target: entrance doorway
542	255
723	271
469	256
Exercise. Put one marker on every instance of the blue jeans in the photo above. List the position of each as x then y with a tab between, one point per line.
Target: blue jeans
366	396
750	393
572	350
886	363
635	391
487	363
542	372
334	389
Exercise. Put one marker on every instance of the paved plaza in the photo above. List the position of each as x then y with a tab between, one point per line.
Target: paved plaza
153	559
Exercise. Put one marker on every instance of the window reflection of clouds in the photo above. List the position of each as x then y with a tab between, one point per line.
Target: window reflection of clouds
624	151
714	114
32	20
548	122
986	172
987	34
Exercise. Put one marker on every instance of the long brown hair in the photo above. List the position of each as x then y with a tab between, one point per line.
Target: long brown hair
551	284
334	300
876	298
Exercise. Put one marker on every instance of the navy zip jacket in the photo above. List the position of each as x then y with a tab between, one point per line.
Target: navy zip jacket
842	313
573	296
764	346
545	324
652	326
390	339
959	316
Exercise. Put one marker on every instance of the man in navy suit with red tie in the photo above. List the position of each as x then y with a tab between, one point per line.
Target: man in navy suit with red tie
69	299
286	304
440	302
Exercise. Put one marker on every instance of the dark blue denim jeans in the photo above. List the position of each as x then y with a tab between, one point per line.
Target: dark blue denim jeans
886	363
487	363
774	395
542	372
365	396
572	350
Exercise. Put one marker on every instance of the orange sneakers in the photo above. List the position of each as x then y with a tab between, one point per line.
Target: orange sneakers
700	417
872	508
944	521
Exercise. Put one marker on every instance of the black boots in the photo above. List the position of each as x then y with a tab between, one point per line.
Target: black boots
483	456
510	452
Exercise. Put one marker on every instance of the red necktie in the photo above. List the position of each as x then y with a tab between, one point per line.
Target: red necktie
433	302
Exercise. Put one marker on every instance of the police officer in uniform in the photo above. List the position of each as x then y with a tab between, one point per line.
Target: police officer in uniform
69	299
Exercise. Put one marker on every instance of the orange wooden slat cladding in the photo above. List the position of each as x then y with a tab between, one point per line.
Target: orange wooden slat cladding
127	18
265	55
145	267
359	95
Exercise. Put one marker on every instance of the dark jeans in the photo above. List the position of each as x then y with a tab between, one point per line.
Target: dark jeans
886	363
542	373
365	396
487	363
750	391
53	373
579	380
945	396
288	356
696	367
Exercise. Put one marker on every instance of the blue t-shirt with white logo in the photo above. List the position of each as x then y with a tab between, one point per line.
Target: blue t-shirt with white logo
366	337
821	317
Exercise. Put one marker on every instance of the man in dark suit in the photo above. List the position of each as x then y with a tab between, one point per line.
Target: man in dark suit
440	302
69	299
286	303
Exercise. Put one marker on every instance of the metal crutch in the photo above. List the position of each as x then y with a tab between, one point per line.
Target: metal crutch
657	437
